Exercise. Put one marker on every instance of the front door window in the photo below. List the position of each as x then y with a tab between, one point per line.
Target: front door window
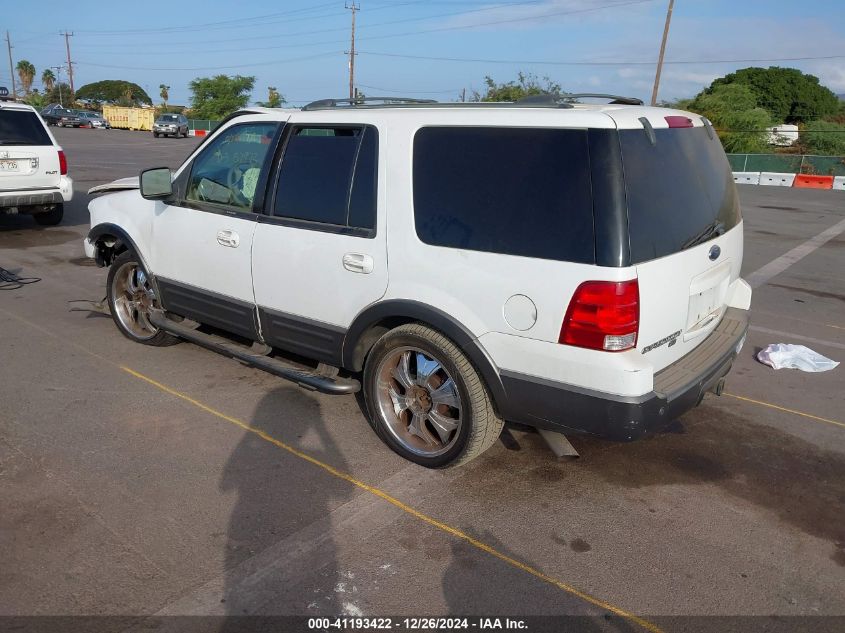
226	172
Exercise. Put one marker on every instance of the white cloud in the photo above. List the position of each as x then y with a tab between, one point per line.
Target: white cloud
627	73
594	81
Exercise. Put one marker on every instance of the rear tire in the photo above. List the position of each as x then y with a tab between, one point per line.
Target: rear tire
51	217
130	295
426	401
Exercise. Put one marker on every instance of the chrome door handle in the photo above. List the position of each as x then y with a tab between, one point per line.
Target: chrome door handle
358	263
228	238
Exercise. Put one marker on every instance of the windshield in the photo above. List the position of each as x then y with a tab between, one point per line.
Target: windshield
680	190
168	118
22	127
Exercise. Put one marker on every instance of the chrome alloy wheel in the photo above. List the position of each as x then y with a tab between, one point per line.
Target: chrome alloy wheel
418	401
133	298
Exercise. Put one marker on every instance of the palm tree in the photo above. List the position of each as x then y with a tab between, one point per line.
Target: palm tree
48	79
26	72
164	94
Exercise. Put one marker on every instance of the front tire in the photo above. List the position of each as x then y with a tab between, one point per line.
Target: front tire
51	217
131	296
426	401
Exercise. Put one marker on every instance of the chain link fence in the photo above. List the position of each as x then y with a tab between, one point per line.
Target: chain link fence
202	124
789	164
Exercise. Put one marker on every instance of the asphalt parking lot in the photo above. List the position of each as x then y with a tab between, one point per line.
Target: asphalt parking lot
171	481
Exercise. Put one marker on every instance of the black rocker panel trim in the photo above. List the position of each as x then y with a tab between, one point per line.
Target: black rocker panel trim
210	308
314	339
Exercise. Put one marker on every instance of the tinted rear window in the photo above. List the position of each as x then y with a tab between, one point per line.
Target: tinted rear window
676	188
515	191
21	127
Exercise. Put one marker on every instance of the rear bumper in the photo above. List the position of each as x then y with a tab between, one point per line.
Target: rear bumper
677	389
35	197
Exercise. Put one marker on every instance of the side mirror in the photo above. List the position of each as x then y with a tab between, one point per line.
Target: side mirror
157	183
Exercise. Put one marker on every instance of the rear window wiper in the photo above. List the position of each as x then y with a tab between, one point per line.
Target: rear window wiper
4	141
711	230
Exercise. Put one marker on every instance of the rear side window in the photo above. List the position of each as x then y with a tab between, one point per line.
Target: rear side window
22	127
676	188
328	177
514	191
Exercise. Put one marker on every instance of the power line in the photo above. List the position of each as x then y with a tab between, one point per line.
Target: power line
222	23
343	28
599	63
170	68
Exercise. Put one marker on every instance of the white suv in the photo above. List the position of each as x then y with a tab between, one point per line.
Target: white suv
570	267
33	168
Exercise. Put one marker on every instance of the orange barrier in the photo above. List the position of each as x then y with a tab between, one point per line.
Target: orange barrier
203	133
807	181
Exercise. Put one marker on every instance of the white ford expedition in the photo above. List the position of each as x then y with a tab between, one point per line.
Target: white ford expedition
33	168
566	266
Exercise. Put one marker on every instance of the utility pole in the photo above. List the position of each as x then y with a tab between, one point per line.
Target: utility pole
58	70
662	52
354	8
69	63
11	66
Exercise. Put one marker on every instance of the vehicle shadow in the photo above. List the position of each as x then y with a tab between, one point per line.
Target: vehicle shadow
23	225
280	555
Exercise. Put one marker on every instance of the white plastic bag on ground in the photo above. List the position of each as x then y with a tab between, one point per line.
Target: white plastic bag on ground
784	355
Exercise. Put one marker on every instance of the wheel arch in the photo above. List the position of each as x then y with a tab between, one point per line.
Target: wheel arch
100	236
381	317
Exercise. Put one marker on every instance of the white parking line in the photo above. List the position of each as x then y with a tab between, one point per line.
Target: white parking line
797	337
777	266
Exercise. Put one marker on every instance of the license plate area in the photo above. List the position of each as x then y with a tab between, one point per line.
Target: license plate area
9	165
708	293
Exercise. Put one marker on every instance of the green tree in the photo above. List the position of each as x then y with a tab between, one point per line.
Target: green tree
36	99
59	93
215	97
113	91
164	93
524	86
825	138
274	99
739	121
789	95
26	73
48	79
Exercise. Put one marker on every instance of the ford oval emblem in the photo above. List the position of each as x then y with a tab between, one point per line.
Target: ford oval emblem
715	251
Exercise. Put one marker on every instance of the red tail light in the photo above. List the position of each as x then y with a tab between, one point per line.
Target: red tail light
62	163
603	315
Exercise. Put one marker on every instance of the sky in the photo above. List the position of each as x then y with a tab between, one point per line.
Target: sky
425	48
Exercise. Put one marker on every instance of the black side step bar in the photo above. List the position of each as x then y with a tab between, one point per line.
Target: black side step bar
308	380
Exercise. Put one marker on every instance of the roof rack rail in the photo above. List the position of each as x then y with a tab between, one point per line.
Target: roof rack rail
614	99
566	99
322	104
545	99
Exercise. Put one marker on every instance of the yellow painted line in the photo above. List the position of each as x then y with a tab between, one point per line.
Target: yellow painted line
645	624
779	408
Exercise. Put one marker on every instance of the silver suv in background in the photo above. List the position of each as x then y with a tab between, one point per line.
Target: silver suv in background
171	125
